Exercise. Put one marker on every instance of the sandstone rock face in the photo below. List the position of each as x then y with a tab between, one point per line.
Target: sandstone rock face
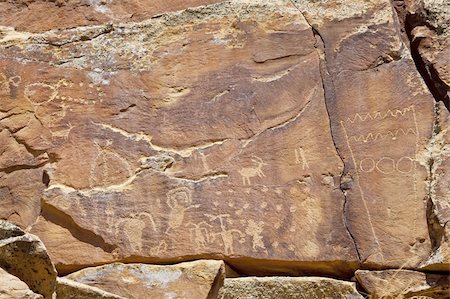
198	279
288	288
285	137
23	255
13	288
69	289
168	156
403	284
380	126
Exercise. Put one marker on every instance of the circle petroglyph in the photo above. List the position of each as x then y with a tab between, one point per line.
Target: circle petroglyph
367	165
40	93
385	165
405	164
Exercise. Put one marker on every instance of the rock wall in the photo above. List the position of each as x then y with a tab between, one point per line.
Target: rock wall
280	138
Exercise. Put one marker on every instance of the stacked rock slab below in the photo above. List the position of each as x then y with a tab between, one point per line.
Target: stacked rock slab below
69	289
26	269
12	287
199	279
288	288
403	284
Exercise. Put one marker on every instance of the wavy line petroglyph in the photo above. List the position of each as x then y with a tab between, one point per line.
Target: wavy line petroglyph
379	250
380	136
377	115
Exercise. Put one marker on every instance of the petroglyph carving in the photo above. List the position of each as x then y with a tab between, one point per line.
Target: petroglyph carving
100	170
199	233
250	172
254	229
40	93
159	249
378	115
133	228
405	164
225	234
376	122
6	83
179	201
300	158
387	165
379	136
15	81
63	133
205	163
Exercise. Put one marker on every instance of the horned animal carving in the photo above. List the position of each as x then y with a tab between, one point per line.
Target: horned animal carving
250	172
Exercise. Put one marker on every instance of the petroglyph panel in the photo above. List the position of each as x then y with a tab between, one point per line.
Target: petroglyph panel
165	141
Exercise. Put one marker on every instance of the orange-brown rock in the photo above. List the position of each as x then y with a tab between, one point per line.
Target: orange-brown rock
198	279
24	256
288	288
439	184
43	15
197	129
403	284
290	137
381	126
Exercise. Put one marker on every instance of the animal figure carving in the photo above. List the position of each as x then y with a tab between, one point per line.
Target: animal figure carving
250	172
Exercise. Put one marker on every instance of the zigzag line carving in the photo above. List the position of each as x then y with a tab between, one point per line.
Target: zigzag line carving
379	115
379	136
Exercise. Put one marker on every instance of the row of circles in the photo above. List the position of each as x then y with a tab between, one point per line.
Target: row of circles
387	165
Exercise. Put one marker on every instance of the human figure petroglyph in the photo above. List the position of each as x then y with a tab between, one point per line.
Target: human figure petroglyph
250	172
133	227
226	234
254	229
300	158
179	201
200	234
205	162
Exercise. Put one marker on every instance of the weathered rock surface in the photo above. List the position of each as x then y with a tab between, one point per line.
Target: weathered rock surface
403	284
288	288
42	15
428	27
198	279
380	125
439	185
13	288
167	152
286	137
68	289
24	256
